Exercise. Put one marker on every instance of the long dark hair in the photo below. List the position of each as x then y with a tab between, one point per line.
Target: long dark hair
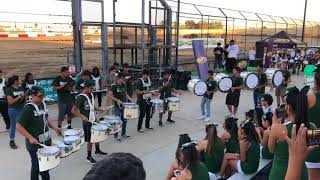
211	137
95	71
183	138
249	131
302	110
258	113
11	80
232	127
268	117
190	157
26	77
317	80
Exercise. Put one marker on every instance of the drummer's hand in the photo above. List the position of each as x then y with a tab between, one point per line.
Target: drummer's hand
100	109
120	103
33	140
84	118
58	130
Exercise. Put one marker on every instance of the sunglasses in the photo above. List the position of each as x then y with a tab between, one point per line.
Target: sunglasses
244	123
188	145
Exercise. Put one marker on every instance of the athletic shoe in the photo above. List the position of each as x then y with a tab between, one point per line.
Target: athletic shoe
97	153
125	136
160	124
150	128
90	160
201	117
13	145
170	121
140	130
117	139
207	119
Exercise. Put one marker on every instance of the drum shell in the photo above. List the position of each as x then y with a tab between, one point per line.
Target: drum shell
113	127
193	83
81	134
76	143
131	111
245	76
271	72
158	105
98	135
64	151
223	78
173	104
48	161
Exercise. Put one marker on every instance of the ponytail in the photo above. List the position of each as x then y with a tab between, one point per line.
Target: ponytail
302	110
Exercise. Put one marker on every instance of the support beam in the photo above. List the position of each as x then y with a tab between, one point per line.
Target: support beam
104	44
77	34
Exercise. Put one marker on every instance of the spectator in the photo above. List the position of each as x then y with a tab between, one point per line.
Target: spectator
266	103
252	57
230	135
218	52
267	123
233	51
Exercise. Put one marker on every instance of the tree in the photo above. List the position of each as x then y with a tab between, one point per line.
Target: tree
216	25
203	24
190	24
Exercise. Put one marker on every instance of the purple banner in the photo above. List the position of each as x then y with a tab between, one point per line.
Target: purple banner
200	56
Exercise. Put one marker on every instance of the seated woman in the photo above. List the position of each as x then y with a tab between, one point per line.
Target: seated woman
230	135
247	162
193	169
266	122
176	165
212	149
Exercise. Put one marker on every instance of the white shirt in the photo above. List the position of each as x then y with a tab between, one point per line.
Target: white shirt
267	109
233	51
252	55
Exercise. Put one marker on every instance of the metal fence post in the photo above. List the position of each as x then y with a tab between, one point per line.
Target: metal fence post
104	43
261	25
226	29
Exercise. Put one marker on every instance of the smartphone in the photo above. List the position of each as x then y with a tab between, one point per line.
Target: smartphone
313	137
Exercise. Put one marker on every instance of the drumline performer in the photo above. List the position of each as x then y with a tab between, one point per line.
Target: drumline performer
95	75
111	79
85	109
63	84
233	96
260	89
129	79
28	83
86	74
166	89
144	94
119	95
34	125
212	87
281	90
3	102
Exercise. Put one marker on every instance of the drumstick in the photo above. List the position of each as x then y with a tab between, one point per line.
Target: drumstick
65	126
42	145
108	108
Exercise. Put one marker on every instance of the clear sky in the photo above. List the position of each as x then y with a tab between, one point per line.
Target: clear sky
130	10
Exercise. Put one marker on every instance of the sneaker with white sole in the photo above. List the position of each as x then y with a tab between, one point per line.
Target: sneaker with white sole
90	160
207	119
201	117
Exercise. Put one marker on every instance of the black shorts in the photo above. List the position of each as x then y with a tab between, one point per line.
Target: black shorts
64	109
233	99
87	131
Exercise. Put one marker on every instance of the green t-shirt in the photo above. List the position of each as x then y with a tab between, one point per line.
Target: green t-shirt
83	105
262	80
34	124
64	95
166	92
142	87
13	92
119	92
237	81
211	85
214	161
251	164
286	75
199	171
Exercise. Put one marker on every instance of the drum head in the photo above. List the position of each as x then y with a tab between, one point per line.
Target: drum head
71	132
99	127
200	88
225	84
156	101
277	78
130	105
112	117
252	81
48	150
71	138
173	99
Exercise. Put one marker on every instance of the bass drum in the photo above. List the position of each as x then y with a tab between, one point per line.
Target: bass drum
224	82
197	87
275	76
251	80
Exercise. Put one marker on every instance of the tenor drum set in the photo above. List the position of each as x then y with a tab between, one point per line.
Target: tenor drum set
224	82
275	76
251	80
197	87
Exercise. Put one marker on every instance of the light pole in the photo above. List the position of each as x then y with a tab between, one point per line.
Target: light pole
304	19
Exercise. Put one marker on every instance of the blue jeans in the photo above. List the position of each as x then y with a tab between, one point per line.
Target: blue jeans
257	99
205	111
119	112
13	114
35	167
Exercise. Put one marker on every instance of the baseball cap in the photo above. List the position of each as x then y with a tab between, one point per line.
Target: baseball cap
89	83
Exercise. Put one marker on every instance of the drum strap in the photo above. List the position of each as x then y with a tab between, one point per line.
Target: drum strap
2	85
44	113
97	82
92	117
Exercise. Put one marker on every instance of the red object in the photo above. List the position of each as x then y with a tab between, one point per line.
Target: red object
4	35
23	36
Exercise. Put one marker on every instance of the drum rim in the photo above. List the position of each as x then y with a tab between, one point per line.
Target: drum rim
273	78
224	78
245	80
51	154
194	91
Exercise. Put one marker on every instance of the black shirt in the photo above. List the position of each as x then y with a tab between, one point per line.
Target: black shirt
218	51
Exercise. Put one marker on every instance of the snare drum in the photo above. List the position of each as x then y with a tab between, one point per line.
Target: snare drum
113	123
48	158
251	80
197	87
99	133
75	132
81	134
131	111
74	141
224	82
157	105
65	150
275	76
173	104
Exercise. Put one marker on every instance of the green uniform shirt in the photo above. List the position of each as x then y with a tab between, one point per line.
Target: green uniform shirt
280	160
166	92
199	171
141	87
79	85
64	95
313	115
119	92
129	84
13	92
262	80
83	105
266	154
237	81
232	145
211	85
34	124
251	164
214	161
